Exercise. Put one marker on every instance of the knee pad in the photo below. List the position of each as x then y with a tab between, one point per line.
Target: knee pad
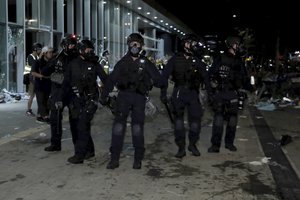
195	127
136	130
179	124
118	129
218	120
232	121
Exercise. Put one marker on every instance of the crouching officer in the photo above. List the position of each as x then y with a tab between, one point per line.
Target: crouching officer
59	96
81	77
133	75
188	72
228	75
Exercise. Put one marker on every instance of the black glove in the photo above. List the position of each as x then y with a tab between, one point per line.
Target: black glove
211	99
58	105
164	99
104	101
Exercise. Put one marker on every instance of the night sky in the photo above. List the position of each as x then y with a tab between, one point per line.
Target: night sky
267	19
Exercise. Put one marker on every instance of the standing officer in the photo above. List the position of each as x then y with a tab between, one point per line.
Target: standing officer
81	77
228	75
133	75
188	72
59	96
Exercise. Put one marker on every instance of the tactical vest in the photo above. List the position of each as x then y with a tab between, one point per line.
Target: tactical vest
135	78
186	73
230	75
83	79
57	77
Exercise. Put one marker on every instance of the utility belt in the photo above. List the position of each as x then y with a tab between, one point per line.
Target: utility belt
141	89
84	95
225	87
186	86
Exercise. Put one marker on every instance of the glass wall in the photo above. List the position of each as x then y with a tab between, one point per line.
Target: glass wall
31	13
15	57
23	22
3	55
106	22
46	10
2	11
3	58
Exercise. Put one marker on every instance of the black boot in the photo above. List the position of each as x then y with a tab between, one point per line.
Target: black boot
181	152
112	164
213	149
137	164
231	147
181	148
53	148
193	148
76	159
138	157
89	155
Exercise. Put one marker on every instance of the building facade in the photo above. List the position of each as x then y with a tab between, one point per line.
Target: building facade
106	22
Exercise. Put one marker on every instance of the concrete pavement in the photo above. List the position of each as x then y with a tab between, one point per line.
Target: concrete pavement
29	173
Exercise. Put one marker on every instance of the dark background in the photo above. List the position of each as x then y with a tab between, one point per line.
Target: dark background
268	21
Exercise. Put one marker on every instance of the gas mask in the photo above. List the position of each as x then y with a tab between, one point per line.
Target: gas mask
134	50
188	50
89	56
71	51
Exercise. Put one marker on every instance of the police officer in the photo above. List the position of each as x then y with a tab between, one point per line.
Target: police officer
187	72
228	75
59	97
133	75
81	77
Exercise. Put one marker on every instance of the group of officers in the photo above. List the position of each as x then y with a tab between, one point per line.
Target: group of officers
74	74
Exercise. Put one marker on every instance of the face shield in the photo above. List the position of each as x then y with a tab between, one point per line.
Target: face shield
197	48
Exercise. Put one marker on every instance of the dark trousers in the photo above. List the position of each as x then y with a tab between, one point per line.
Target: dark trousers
225	109
84	142
183	98
82	113
128	102
56	123
42	102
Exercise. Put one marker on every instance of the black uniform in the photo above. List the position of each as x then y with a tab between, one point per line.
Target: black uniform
81	76
133	78
187	74
58	100
229	74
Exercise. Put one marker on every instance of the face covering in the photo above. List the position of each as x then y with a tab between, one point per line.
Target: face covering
89	56
134	51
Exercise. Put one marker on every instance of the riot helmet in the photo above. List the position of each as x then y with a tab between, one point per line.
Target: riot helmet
231	40
68	44
135	41
235	43
86	50
198	48
135	37
37	47
192	45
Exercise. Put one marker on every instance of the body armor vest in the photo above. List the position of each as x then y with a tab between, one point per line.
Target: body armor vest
186	73
135	78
